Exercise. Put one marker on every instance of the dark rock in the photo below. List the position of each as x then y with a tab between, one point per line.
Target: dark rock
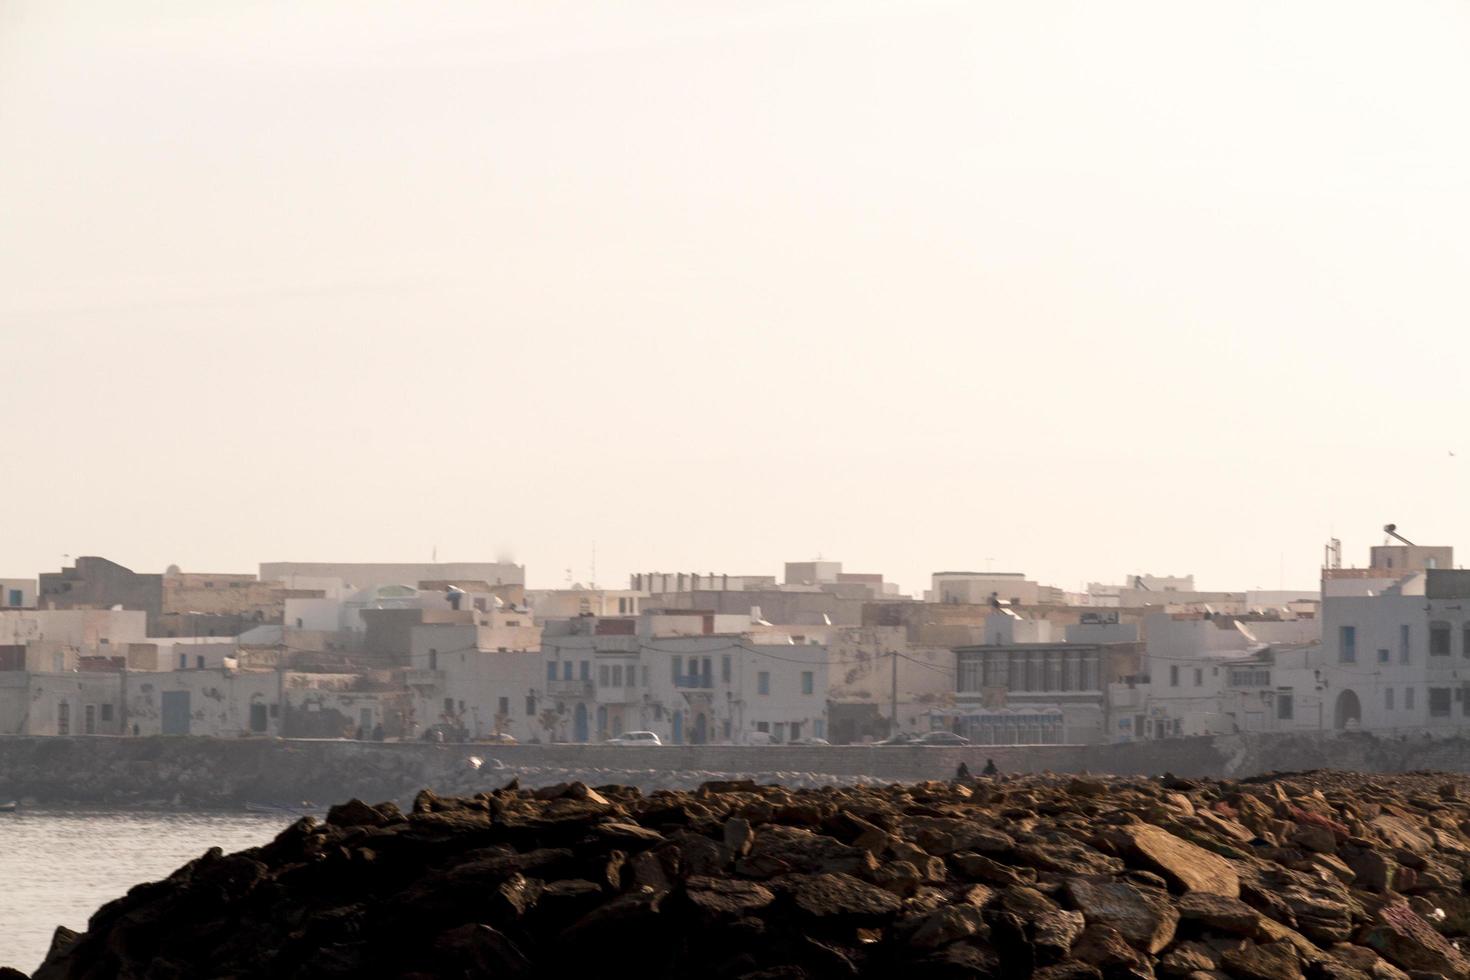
836	896
1056	877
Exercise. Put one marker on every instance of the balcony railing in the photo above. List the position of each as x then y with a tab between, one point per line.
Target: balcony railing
569	689
696	682
417	677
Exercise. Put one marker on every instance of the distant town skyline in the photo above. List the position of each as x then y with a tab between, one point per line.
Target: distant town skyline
607	577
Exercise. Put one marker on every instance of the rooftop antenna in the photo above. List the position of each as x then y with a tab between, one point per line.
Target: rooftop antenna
1392	530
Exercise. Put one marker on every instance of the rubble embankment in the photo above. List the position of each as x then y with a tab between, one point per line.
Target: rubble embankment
1320	875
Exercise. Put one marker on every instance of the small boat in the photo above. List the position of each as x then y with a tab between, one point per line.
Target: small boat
9	807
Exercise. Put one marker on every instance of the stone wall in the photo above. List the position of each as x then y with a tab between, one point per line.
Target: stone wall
204	772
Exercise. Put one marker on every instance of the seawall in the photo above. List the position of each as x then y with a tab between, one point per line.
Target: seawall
202	772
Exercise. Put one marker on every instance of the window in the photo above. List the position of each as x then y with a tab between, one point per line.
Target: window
15	598
199	662
89	719
1404	645
530	706
617	674
1383	656
566	670
762	726
1199	677
1439	702
504	711
433	659
678	668
584	671
603	675
763	682
63	718
725	669
551	670
1408	699
806	682
107	712
819	728
449	706
1439	639
1174	675
1388	699
1347	644
183	661
1285	706
1254	676
622	605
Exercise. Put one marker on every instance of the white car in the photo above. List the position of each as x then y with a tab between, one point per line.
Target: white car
636	738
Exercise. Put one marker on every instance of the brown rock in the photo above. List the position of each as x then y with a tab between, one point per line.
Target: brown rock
1400	936
1218	913
1398	832
723	897
978	867
1276	961
1104	947
1188	958
1185	865
1146	919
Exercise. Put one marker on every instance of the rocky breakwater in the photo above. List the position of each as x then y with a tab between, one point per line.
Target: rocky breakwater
1317	875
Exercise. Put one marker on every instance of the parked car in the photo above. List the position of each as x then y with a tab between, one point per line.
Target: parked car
941	738
811	740
758	738
501	738
897	738
636	738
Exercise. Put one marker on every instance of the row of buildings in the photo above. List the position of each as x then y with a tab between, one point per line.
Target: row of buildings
413	650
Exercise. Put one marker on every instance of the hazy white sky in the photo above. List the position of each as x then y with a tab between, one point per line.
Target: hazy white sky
1073	289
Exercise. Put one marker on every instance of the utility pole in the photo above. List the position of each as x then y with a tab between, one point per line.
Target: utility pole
893	697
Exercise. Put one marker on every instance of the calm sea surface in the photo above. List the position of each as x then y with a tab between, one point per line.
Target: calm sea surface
58	866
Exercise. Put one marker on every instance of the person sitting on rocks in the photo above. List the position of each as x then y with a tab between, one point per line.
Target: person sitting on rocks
990	769
962	774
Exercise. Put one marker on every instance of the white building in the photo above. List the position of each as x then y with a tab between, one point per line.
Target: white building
457	680
17	593
609	676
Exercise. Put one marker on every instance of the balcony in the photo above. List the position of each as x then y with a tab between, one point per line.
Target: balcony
569	689
694	682
620	695
423	678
